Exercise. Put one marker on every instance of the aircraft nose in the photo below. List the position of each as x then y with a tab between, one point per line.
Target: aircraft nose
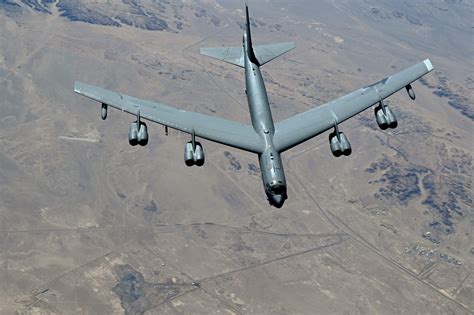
278	200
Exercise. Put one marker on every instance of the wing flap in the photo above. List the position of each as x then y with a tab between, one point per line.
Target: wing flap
215	129
302	127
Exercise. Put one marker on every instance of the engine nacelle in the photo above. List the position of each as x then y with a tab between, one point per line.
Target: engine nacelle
194	156
339	146
133	134
103	111
385	119
143	134
189	154
199	158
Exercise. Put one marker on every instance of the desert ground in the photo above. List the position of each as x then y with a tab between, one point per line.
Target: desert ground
91	225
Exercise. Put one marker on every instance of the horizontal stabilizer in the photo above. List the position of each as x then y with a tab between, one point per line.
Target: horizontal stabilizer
235	55
266	53
232	55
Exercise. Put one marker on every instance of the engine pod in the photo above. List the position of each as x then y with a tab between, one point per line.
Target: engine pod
345	144
199	155
189	154
381	118
143	135
133	134
335	145
391	119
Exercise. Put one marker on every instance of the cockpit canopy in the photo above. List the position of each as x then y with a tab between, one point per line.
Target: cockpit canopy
277	188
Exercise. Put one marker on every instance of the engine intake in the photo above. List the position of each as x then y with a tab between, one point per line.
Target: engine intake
340	145
385	117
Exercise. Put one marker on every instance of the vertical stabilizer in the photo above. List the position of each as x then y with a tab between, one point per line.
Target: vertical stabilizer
248	38
247	26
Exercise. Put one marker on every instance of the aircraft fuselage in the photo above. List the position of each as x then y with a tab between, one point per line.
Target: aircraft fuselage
271	166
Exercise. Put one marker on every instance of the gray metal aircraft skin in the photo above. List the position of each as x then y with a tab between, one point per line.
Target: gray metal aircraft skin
263	137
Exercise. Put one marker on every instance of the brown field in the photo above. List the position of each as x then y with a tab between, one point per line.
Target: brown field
90	225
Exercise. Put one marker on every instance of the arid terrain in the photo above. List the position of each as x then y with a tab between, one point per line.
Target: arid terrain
91	225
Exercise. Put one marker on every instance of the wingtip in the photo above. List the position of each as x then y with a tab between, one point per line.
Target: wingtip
428	64
77	87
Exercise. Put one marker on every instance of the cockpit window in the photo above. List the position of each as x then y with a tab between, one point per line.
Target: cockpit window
277	189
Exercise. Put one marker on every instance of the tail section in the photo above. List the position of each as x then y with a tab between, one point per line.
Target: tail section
258	54
248	32
248	38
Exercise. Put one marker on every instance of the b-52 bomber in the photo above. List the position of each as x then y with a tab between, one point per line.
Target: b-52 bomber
264	137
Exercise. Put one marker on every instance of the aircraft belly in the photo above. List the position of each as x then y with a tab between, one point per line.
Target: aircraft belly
259	105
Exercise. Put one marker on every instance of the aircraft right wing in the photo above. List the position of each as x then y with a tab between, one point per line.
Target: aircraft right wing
302	127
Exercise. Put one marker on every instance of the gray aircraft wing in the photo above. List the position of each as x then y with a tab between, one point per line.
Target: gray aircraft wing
302	127
215	129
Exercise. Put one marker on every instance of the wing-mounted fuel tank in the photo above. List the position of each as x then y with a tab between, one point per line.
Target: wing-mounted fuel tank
385	117
410	92
339	143
103	111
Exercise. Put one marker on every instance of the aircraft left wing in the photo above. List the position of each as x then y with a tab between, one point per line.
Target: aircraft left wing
227	132
307	125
